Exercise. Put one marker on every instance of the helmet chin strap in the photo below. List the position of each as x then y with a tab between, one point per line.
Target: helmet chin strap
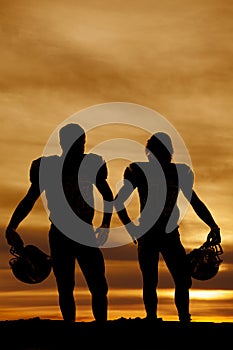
16	251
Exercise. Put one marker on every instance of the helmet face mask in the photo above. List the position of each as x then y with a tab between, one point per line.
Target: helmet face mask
205	261
31	265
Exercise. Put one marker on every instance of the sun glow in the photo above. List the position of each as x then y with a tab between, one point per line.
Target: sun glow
206	305
217	294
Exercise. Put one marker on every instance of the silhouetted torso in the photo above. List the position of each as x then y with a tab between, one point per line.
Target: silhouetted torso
158	189
69	179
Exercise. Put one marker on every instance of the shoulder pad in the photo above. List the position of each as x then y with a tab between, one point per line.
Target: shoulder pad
34	170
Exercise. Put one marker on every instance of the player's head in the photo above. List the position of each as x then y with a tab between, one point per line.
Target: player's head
160	146
72	136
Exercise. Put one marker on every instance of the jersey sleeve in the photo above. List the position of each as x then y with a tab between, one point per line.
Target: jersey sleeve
94	168
34	171
186	179
102	172
129	174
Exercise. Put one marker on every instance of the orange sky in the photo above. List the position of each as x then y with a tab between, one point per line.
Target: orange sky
174	57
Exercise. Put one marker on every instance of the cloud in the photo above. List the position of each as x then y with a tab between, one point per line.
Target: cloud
171	56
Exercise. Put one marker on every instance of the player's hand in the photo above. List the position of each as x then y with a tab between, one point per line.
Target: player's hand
214	236
101	235
14	239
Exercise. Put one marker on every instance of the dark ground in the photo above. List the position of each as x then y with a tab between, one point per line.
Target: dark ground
37	334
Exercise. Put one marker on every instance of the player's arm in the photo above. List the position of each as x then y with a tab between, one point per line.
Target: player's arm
204	214
22	210
121	197
106	192
25	206
186	177
124	193
119	202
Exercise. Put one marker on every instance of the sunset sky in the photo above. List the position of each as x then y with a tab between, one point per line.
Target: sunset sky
173	57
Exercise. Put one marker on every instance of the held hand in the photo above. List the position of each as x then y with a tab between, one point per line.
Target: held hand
214	236
101	235
14	239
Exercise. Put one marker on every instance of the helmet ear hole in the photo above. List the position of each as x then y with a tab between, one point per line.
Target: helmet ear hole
31	265
204	262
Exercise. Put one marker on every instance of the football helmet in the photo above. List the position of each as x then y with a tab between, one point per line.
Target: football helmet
30	264
205	261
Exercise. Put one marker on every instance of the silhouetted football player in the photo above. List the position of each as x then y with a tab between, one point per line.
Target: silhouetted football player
159	181
68	181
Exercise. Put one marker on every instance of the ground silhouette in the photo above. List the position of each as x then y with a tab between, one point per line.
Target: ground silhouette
42	334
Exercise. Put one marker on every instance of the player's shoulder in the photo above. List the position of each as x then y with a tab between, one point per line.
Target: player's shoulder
91	163
134	169
34	170
36	162
40	163
93	160
138	166
184	170
35	165
183	167
94	157
43	160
